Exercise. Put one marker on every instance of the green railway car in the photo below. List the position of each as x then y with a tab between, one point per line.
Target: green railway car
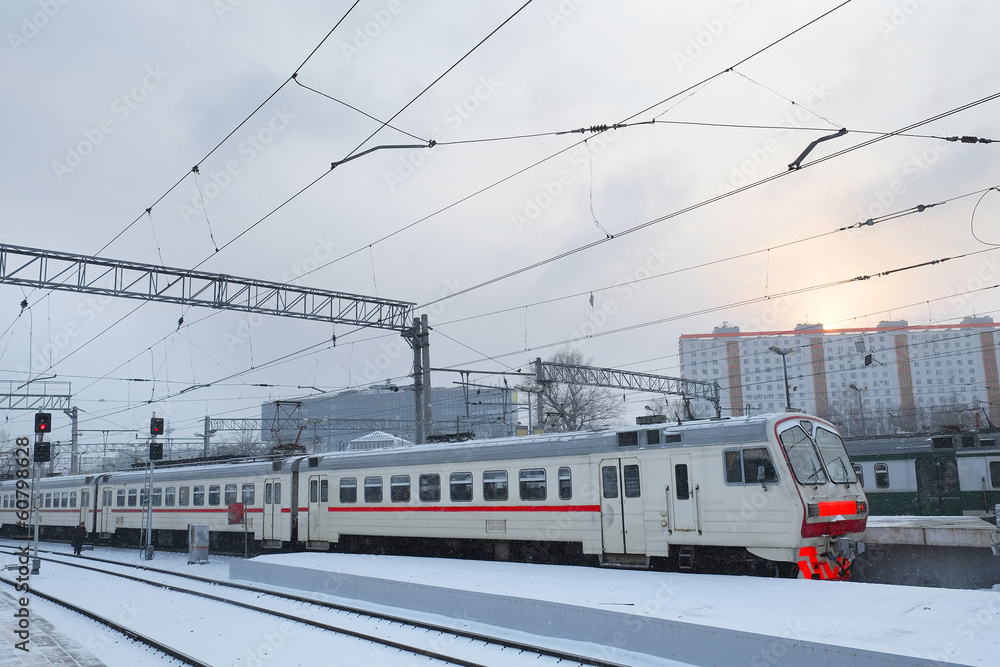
947	474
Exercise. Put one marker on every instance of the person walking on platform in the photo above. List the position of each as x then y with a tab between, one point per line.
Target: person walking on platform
79	535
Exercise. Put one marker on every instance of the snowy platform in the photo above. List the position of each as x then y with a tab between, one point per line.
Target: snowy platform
46	646
697	619
944	551
937	531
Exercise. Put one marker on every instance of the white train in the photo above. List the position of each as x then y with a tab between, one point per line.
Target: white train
773	494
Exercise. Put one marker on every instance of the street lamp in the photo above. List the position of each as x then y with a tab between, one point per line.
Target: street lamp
784	352
861	407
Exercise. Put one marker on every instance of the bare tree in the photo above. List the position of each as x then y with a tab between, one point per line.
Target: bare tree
8	459
246	442
574	407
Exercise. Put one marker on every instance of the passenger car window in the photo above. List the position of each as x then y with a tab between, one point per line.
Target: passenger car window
430	488
461	486
213	495
565	483
532	484
399	488
882	475
373	489
348	489
495	485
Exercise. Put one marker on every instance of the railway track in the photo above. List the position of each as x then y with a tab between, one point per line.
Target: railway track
456	646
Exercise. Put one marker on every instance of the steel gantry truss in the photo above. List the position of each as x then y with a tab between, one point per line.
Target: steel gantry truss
36	395
48	269
546	371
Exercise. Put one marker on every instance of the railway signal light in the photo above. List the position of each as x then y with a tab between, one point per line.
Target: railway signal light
156	426
155	451
43	422
43	452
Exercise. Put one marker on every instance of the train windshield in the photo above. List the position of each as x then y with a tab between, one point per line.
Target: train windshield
802	456
838	464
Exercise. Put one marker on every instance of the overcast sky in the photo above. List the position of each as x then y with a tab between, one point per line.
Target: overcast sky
108	105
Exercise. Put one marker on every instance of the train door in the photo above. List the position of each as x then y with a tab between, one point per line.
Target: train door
937	486
271	529
319	507
682	496
622	526
84	497
105	522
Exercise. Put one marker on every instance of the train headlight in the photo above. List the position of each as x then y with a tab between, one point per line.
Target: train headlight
812	510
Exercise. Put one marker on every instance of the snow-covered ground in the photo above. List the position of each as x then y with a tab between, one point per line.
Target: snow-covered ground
958	626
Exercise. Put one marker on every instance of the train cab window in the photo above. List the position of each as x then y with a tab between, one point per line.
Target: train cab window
630	478
750	466
373	489
169	496
995	474
230	494
248	493
430	488
881	475
566	483
214	495
838	463
609	481
157	496
199	496
133	497
348	489
532	484
184	496
495	485
681	482
802	456
324	491
460	484
399	488
72	499
120	498
860	473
